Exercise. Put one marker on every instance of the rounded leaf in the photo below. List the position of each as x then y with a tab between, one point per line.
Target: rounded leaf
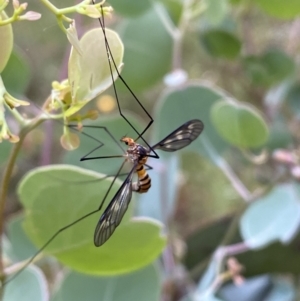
89	72
6	42
240	124
273	217
57	196
220	43
134	245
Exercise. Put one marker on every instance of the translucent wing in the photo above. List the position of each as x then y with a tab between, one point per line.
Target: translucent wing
113	214
181	137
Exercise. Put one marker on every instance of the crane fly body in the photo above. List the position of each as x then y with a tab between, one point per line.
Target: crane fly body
138	155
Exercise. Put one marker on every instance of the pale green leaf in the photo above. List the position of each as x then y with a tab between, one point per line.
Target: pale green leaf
275	216
56	196
89	72
240	124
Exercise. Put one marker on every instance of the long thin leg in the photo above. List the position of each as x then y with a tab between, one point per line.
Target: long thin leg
88	181
102	157
106	130
148	167
111	59
85	157
74	128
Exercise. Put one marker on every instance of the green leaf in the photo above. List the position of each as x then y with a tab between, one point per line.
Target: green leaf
215	10
30	285
148	52
144	283
16	75
191	101
273	217
21	247
220	43
6	42
281	9
51	202
130	8
118	127
89	72
240	124
270	68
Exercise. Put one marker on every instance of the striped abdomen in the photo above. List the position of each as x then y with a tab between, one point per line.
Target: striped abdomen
144	181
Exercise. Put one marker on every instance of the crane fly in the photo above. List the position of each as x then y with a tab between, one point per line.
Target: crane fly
136	154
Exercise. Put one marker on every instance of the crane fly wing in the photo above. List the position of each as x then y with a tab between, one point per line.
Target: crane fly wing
113	214
181	137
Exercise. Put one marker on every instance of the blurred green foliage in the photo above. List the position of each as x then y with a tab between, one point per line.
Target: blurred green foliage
236	186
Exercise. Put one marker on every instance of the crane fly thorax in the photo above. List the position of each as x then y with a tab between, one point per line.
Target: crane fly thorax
135	151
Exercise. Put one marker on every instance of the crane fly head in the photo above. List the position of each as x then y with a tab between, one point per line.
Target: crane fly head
128	141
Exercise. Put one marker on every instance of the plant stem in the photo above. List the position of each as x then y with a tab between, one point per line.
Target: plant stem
229	173
5	184
50	6
3	194
62	11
